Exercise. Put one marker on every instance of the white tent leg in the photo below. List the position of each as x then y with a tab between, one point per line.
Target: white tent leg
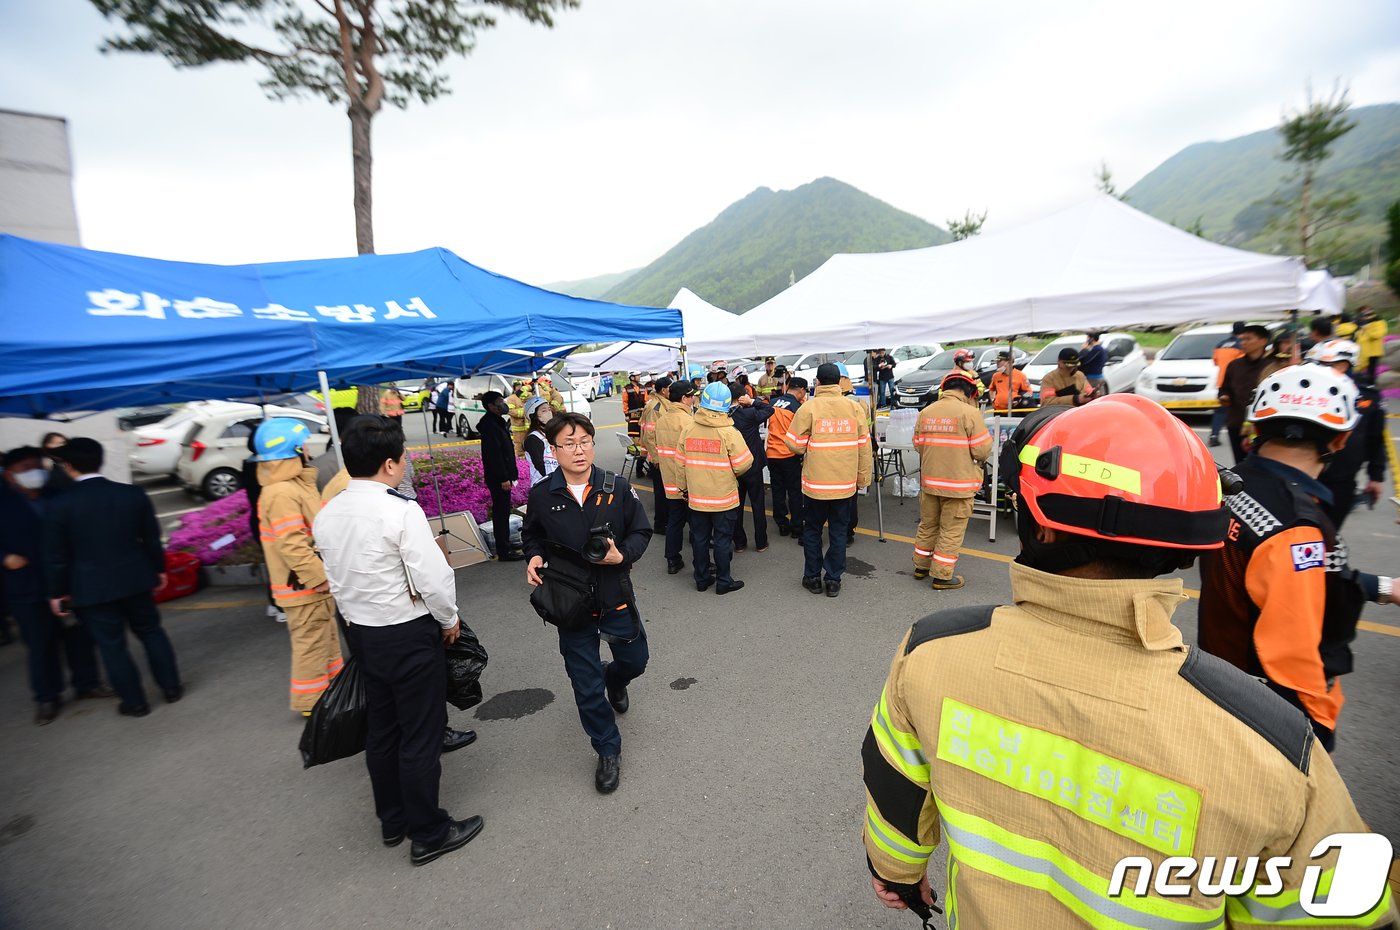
330	416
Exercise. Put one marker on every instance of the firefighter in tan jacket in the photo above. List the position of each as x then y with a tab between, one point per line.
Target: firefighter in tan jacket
288	504
1084	765
656	405
835	441
952	441
515	409
670	424
713	456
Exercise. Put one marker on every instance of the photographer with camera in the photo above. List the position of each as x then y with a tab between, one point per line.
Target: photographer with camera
584	529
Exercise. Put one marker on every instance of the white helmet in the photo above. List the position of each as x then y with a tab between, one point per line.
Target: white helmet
1307	393
738	370
1335	350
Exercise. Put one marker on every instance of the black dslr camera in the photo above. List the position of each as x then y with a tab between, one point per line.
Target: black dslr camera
595	549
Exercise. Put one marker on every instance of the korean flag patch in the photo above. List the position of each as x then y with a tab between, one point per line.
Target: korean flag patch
1308	555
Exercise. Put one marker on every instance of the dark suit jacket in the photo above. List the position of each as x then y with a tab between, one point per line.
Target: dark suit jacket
102	543
22	533
498	463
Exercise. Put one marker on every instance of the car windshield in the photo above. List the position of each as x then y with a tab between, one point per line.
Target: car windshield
940	361
1050	355
1193	345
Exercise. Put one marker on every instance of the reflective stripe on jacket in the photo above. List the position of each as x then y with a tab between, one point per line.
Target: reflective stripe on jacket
1048	741
835	441
287	506
712	455
952	441
669	426
650	414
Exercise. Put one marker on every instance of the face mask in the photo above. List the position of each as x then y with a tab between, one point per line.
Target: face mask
33	479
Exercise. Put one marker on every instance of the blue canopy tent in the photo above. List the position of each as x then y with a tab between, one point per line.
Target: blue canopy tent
85	330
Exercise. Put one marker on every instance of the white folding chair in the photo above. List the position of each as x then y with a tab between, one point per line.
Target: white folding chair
629	456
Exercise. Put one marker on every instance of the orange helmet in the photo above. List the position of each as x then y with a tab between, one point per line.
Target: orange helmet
1121	469
963	355
958	376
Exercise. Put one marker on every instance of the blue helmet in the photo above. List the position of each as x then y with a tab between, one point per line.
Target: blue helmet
716	397
280	438
841	367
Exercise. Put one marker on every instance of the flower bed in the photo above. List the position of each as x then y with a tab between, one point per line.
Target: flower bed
200	529
459	481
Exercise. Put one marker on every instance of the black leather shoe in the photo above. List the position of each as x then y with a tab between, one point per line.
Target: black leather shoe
812	584
174	694
674	568
703	585
609	771
617	697
453	740
127	710
515	555
783	531
459	834
101	691
851	539
740	547
833	588
391	839
725	589
46	713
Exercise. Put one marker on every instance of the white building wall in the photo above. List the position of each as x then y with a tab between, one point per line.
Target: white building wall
36	178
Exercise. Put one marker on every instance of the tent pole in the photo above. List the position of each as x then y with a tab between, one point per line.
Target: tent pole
330	417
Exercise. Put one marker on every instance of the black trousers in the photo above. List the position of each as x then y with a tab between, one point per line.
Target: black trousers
1236	443
1343	499
751	492
787	491
406	689
49	642
500	518
717	530
661	504
677	515
107	623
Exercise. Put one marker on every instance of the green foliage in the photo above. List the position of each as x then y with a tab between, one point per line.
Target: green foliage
747	254
967	227
1392	248
591	288
372	47
1103	181
1232	186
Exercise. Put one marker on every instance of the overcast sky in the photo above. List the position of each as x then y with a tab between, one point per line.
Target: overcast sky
596	146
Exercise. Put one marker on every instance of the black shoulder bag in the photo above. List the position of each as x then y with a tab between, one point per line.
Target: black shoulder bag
568	596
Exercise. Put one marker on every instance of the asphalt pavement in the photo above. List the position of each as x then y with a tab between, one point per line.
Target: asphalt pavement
741	801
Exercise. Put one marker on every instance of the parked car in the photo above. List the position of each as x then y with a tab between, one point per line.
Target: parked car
468	409
913	386
1125	361
155	448
129	418
415	393
593	386
216	443
1183	376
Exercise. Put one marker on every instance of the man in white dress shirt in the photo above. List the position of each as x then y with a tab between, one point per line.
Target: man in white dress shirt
399	595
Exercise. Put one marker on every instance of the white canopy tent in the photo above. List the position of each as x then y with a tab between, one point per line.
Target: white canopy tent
1097	265
700	319
1319	292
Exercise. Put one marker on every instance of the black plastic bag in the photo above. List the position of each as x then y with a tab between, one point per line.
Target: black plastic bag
466	660
339	722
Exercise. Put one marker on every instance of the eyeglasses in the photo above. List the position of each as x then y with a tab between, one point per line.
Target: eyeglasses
575	446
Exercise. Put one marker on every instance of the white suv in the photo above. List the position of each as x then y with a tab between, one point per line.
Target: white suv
468	410
216	444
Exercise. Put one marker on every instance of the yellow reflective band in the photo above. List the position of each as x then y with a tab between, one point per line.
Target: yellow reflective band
1132	802
903	750
1286	908
979	844
273	441
892	841
1118	477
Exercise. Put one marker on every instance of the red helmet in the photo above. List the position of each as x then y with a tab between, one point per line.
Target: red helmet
1122	469
957	376
963	355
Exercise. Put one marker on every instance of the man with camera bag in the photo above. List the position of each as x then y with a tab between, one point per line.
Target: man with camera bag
584	529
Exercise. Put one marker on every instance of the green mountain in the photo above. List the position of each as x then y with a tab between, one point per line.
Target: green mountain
1231	187
591	288
750	251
